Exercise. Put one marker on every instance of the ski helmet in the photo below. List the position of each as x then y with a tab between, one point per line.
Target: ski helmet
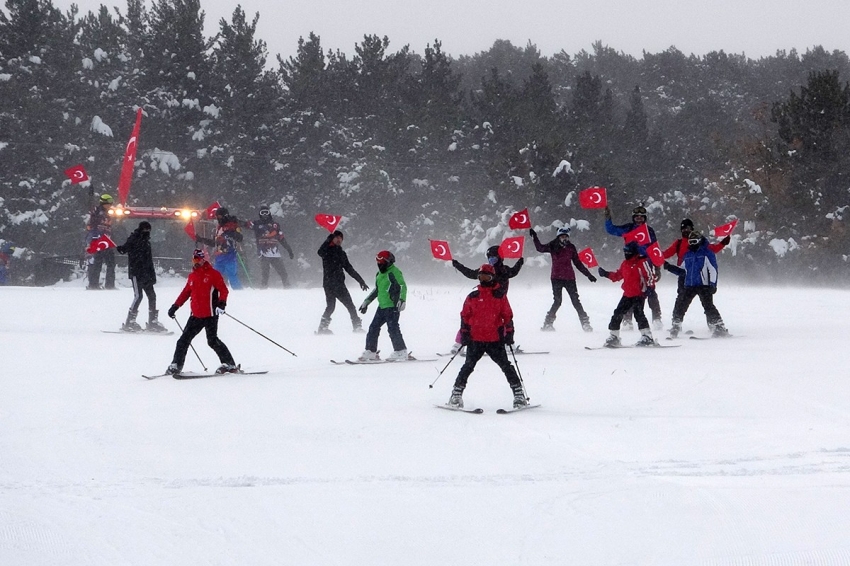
264	210
199	257
687	223
144	226
385	258
565	231
221	211
493	251
630	250
486	274
695	238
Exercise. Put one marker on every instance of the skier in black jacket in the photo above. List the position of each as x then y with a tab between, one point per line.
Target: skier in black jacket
334	263
142	276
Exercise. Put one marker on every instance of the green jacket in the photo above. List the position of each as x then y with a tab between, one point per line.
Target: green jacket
389	288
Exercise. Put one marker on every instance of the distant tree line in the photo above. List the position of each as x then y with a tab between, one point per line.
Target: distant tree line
411	146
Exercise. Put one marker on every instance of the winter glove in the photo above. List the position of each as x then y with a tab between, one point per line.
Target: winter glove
509	338
592	278
219	308
364	307
172	312
364	287
532	233
465	338
400	305
123	250
725	241
291	255
603	273
607	213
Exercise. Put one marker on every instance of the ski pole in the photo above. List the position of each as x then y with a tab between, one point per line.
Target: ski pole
190	345
519	373
260	333
445	368
245	269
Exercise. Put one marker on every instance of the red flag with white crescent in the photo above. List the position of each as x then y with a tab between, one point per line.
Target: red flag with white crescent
209	212
100	244
190	229
329	222
129	161
725	230
656	256
639	235
511	248
588	258
440	250
77	174
593	197
519	220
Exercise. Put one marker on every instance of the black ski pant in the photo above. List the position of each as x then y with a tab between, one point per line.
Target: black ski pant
629	304
389	316
193	328
277	264
96	265
654	305
497	353
138	289
558	286
706	297
338	292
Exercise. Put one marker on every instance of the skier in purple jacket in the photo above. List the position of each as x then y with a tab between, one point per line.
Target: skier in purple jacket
564	257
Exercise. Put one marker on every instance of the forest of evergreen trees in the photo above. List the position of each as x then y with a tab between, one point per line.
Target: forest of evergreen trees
410	146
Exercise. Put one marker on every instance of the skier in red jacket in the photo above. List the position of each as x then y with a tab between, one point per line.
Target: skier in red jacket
486	326
637	276
208	294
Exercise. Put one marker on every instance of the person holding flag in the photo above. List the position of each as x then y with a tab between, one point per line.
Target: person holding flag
228	236
700	280
100	225
143	276
636	226
334	264
564	257
502	273
637	276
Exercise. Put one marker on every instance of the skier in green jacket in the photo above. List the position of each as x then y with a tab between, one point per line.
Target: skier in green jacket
391	292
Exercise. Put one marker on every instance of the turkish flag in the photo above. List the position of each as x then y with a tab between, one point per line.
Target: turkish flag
129	161
593	197
209	211
519	220
190	229
511	248
586	256
329	222
639	235
100	244
725	230
440	250
77	174
656	256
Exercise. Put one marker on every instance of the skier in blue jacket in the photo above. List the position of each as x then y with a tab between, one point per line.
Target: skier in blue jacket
700	271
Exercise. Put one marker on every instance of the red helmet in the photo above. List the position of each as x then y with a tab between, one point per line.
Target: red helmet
199	257
385	257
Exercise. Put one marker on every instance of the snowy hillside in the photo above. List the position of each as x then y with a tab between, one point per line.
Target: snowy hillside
717	452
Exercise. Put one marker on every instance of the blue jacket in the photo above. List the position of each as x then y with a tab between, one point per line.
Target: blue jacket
700	267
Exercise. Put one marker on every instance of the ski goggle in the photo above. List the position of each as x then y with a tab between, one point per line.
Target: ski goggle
265	212
485	277
492	260
694	241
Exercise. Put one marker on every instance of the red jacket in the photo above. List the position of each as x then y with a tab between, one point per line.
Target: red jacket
680	247
636	274
486	314
206	287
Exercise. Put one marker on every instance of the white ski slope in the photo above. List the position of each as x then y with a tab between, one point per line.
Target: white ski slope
718	452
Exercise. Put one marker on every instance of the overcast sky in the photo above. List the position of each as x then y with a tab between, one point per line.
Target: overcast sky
465	27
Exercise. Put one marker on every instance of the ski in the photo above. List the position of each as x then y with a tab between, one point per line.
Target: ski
155	376
633	346
190	375
516	410
460	409
516	353
379	362
149	333
714	337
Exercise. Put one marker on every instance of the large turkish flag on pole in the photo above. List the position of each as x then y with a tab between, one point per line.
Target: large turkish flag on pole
129	161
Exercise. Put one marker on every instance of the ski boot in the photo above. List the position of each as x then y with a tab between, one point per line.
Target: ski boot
547	327
613	340
456	400
657	324
154	325
399	356
585	325
645	338
173	369
323	326
131	325
368	356
520	399
357	326
227	368
720	331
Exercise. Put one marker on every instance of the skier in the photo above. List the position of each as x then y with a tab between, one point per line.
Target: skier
7	251
636	275
143	276
679	248
208	294
564	256
100	224
391	292
228	235
502	273
638	219
700	274
334	262
269	237
486	323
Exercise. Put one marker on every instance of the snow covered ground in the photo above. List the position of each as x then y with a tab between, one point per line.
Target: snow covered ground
717	452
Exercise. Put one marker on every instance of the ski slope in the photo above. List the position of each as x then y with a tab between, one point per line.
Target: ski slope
717	452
